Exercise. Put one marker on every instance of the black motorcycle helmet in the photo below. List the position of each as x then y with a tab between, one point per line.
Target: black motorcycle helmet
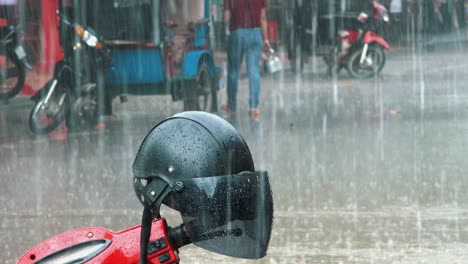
198	164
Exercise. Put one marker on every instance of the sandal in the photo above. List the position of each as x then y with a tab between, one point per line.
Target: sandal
254	114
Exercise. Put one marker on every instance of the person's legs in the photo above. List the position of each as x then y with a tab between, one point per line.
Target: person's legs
235	53
460	10
101	98
253	53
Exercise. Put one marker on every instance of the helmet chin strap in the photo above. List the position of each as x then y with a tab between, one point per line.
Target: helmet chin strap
154	195
146	220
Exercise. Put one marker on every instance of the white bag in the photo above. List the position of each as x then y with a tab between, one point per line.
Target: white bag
271	63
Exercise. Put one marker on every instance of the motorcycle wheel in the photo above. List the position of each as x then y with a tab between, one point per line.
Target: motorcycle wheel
12	76
84	111
205	100
46	117
372	65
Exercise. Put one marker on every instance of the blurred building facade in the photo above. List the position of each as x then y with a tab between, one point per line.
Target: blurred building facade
421	16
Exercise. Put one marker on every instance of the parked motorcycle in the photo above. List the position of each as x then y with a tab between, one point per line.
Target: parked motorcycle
361	51
12	62
76	90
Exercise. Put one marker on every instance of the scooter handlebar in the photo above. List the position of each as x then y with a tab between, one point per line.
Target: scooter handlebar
99	245
178	237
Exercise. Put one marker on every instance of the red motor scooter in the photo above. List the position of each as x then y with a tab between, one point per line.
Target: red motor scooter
229	214
99	245
361	51
232	234
226	230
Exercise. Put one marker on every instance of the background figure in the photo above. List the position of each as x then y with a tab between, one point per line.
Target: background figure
299	43
443	10
460	9
395	20
247	24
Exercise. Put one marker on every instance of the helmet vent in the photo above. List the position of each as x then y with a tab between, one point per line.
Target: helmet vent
144	182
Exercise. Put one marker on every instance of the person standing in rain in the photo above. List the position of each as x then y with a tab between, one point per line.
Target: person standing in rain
248	35
396	18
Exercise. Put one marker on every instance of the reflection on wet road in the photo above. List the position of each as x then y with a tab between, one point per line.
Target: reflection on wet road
368	171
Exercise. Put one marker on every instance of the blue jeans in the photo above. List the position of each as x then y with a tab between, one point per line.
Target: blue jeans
246	41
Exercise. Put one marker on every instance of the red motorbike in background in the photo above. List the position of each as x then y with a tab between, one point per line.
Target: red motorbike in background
361	50
13	61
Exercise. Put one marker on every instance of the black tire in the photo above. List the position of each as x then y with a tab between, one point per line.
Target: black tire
12	77
45	118
377	56
205	98
84	112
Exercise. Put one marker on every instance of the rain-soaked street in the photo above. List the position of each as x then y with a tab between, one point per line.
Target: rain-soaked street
369	171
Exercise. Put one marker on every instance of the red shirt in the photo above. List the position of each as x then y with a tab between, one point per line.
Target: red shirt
244	13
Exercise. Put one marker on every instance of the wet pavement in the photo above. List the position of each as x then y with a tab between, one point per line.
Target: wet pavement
369	171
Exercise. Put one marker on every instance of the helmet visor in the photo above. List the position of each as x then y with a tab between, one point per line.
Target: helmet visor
230	215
